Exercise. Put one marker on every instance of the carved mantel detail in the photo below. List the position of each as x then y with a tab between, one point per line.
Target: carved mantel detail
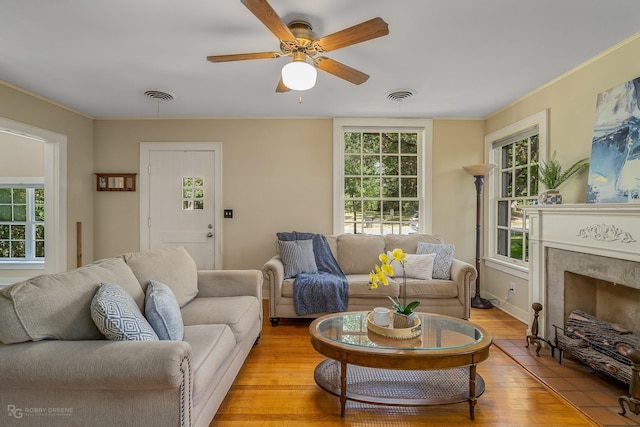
606	233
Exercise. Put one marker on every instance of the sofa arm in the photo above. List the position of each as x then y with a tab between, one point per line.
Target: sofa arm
230	283
273	272
99	364
464	274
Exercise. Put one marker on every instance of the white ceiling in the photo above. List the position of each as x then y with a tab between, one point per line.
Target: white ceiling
462	58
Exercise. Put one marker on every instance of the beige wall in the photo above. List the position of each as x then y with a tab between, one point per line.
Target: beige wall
21	157
277	176
571	102
21	107
456	143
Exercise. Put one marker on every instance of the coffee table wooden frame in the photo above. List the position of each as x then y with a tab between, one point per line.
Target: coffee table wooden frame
426	359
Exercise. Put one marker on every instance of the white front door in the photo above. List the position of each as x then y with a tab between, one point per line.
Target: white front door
181	186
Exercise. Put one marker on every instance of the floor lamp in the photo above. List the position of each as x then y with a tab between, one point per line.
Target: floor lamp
479	172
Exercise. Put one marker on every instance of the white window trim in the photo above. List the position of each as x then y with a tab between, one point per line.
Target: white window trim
425	126
55	190
541	119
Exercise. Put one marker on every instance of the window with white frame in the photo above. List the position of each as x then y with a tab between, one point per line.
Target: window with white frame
22	223
380	177
516	151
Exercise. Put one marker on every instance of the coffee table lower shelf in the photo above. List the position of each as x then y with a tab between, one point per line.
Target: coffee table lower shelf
399	387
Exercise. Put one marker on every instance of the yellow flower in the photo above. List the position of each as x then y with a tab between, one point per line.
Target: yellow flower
387	269
399	255
384	259
381	277
373	280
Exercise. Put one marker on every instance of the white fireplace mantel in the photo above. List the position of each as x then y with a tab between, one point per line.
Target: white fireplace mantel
609	230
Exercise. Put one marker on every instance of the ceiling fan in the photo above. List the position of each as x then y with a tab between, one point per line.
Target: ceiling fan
298	41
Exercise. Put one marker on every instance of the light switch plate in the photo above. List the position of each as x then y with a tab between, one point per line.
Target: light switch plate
228	213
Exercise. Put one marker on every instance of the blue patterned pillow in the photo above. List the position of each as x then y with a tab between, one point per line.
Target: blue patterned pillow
444	258
118	317
297	257
163	312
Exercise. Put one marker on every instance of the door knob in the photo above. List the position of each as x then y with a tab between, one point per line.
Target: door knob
209	234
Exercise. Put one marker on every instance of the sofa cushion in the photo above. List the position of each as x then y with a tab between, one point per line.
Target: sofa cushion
212	346
163	312
118	317
444	258
359	287
57	306
239	312
432	289
297	257
415	267
409	242
358	253
172	266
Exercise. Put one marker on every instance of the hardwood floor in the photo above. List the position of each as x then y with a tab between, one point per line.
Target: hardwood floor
276	388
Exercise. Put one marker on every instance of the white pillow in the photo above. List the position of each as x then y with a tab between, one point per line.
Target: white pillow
416	266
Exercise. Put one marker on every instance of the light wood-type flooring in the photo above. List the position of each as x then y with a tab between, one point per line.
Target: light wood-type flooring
276	388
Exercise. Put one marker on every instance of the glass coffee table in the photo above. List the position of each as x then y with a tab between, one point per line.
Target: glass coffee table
437	367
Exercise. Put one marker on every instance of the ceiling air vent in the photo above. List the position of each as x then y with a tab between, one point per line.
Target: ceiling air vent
400	95
159	95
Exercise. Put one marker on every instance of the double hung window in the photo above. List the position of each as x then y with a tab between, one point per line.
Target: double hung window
516	150
21	223
381	183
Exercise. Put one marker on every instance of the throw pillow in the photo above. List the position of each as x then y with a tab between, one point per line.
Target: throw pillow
416	266
163	312
444	258
297	257
118	317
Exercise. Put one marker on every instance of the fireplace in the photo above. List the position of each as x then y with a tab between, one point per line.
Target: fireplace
585	257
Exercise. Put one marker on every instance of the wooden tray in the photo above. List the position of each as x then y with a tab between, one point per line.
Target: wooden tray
391	332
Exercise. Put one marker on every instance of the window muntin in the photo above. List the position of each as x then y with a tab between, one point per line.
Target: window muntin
381	180
22	223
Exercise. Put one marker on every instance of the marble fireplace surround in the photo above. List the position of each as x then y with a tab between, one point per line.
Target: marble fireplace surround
595	248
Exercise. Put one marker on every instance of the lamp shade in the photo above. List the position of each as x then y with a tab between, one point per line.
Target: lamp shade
299	75
479	170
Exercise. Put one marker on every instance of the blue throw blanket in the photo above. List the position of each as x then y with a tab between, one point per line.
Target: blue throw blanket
325	291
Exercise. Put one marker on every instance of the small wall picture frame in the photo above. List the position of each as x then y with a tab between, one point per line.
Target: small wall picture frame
116	182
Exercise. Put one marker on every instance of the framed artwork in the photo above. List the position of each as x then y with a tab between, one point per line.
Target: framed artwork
614	171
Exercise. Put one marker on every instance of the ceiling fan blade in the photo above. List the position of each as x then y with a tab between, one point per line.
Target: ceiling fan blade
265	13
281	87
243	56
340	70
368	30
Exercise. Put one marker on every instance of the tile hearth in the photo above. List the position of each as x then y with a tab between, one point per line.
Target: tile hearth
594	394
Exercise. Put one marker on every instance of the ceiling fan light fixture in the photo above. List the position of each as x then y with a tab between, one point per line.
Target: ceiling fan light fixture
299	75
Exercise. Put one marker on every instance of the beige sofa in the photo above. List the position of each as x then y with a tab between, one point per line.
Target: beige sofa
356	254
57	369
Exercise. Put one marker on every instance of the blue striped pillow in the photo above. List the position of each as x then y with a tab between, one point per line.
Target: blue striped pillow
297	257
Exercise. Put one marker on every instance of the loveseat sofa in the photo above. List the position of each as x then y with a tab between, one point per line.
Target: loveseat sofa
446	292
58	369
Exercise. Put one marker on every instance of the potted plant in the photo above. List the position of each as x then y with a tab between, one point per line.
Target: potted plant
552	174
404	317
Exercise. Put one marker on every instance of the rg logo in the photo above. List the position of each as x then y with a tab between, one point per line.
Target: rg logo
14	412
